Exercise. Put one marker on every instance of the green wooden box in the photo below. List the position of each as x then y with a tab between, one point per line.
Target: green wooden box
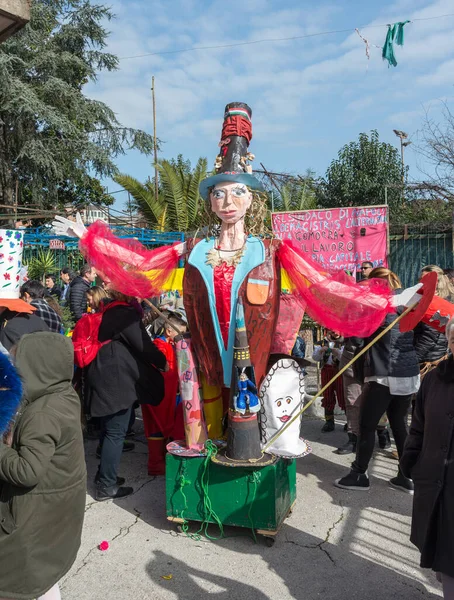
243	497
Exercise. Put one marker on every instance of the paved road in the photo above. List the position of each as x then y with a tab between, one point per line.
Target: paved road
336	545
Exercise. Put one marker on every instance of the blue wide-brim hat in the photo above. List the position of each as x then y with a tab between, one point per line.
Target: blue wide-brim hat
233	157
252	182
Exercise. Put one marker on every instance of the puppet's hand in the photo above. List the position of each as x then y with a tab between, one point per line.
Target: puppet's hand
182	248
63	226
408	297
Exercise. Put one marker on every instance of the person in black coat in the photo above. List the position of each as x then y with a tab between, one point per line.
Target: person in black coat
428	459
13	325
78	289
430	344
52	289
66	275
391	376
126	370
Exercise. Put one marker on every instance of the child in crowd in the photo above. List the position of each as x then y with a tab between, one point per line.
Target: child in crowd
328	352
165	420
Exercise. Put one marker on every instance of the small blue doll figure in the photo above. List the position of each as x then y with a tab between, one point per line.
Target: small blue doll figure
247	396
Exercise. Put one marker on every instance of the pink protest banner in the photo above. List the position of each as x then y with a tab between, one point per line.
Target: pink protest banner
338	238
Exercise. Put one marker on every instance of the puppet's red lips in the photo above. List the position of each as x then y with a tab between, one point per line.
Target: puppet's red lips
284	419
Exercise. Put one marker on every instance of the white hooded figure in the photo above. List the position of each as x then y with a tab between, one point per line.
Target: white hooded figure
282	397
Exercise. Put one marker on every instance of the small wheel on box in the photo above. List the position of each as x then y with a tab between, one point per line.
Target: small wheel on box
269	541
179	528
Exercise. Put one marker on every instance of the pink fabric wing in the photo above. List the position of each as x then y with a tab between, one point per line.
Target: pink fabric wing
291	313
333	299
124	261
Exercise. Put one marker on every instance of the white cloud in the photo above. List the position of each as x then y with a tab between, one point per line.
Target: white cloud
406	118
360	104
443	75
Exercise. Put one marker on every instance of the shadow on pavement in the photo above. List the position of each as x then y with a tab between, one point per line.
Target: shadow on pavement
347	545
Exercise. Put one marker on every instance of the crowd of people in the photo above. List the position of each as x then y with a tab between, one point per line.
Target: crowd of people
133	363
403	376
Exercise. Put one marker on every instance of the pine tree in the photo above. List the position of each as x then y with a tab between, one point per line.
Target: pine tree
52	136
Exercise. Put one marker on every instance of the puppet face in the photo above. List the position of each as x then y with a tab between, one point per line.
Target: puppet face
230	201
282	396
284	407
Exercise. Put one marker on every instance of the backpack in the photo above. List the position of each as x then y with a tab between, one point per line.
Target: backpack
85	335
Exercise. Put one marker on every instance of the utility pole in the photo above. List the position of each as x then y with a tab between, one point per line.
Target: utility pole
155	143
403	144
16	201
130	208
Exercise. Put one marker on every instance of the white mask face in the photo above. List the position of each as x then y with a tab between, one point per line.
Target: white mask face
282	397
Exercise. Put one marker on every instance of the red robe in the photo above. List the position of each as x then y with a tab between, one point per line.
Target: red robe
159	421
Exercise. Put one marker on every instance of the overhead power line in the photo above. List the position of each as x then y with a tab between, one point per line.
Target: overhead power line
271	40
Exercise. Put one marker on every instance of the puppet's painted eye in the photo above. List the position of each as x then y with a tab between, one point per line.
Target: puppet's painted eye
289	399
239	191
218	194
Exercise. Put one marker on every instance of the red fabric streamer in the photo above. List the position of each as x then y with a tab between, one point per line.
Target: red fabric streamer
333	299
123	261
237	125
160	419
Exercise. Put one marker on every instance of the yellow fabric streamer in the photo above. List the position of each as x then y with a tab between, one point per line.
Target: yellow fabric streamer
286	284
175	281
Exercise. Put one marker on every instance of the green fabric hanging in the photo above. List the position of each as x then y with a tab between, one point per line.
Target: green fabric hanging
400	32
388	48
395	34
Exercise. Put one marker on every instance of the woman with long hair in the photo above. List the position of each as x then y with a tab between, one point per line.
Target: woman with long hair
124	372
95	295
445	289
391	377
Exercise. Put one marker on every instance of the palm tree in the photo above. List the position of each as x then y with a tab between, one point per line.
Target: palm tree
179	206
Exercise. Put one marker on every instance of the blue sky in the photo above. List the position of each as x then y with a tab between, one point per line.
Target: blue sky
308	96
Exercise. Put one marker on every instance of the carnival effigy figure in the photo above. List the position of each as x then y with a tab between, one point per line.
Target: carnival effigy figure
238	265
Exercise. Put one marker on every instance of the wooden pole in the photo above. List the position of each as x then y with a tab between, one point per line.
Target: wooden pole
160	314
130	209
155	143
16	199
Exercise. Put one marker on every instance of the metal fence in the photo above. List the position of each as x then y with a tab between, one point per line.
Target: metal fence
63	258
412	247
